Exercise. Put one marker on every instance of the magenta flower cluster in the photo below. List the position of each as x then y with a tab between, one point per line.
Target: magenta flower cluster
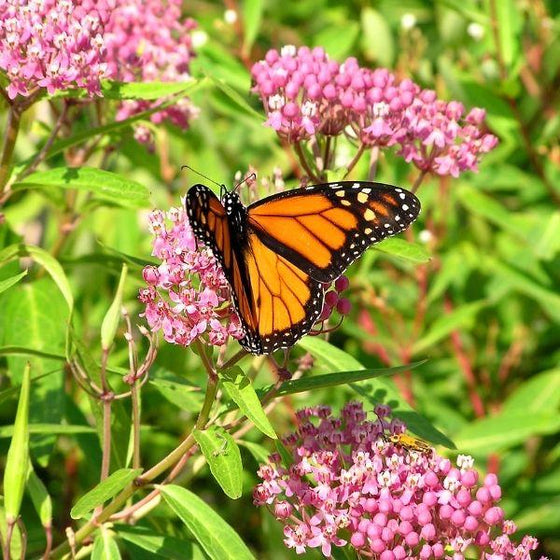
151	41
187	296
305	93
349	485
53	44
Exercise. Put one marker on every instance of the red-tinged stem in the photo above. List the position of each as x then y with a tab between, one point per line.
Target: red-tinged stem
465	364
304	163
419	180
355	159
48	537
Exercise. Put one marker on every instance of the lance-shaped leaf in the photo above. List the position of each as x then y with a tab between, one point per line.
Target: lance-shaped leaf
40	497
104	491
240	390
112	318
15	474
223	457
216	537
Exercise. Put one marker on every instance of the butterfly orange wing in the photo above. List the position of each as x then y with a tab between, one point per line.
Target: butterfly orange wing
322	229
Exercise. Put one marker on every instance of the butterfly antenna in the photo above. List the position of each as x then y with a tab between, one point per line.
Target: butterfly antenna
252	176
201	174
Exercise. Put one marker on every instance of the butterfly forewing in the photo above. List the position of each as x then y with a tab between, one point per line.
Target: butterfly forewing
277	252
322	229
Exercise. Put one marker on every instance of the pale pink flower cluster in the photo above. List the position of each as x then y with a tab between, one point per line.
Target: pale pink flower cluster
441	138
53	44
59	44
349	485
187	294
151	41
305	93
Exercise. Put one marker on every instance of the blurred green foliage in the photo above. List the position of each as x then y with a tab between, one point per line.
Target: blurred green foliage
484	311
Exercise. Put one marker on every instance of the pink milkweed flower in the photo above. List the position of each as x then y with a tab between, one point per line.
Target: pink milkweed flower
53	44
187	296
151	41
350	485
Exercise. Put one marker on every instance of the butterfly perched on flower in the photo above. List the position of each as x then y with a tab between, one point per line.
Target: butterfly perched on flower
278	252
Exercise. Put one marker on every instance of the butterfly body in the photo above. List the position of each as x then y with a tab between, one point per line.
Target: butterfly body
279	251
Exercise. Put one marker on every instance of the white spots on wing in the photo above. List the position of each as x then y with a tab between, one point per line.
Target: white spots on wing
334	185
397	218
387	225
402	196
356	186
362	197
369	215
345	202
404	207
366	191
340	193
367	231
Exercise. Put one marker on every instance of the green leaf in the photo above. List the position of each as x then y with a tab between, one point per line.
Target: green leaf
9	282
144	90
163	546
540	393
35	314
223	457
252	12
48	429
240	390
22	351
333	357
40	497
509	277
104	184
507	22
485	206
105	546
442	327
237	98
115	126
15	473
259	452
314	382
505	430
377	39
179	392
113	315
338	45
547	243
216	537
50	264
401	248
104	491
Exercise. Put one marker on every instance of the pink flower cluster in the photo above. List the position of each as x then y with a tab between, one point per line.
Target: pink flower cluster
187	294
52	44
305	93
58	44
350	485
150	41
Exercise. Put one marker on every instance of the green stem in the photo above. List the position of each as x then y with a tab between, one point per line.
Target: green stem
107	398
135	396
156	470
10	137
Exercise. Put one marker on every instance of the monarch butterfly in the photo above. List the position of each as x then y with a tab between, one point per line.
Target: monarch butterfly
279	251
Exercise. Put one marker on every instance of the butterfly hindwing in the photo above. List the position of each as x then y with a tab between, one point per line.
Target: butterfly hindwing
322	229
